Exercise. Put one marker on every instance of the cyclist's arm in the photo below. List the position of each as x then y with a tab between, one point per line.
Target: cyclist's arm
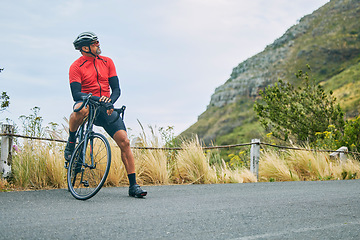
77	94
115	88
76	91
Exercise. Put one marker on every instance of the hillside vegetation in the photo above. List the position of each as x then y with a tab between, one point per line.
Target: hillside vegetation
328	40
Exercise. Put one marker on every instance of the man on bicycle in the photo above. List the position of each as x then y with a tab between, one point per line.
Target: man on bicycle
96	74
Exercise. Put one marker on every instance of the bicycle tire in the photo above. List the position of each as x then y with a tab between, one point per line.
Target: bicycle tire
85	180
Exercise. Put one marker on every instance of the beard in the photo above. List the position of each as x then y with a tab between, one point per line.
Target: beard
98	51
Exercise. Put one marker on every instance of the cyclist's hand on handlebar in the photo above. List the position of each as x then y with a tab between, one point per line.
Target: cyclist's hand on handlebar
109	108
107	104
104	99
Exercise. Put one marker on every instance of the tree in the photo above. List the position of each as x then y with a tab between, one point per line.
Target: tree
298	113
4	101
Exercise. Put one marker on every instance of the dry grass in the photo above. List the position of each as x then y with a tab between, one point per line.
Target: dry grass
227	175
5	186
41	165
274	166
192	166
294	165
152	166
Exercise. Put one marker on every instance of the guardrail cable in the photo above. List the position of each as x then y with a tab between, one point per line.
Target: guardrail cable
204	148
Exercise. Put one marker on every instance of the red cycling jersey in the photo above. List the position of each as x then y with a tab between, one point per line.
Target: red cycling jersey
93	74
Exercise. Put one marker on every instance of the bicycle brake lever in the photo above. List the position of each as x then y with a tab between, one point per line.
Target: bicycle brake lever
120	112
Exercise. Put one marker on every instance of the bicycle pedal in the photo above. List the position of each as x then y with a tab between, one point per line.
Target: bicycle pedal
85	183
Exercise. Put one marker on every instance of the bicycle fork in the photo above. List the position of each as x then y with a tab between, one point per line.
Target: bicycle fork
84	165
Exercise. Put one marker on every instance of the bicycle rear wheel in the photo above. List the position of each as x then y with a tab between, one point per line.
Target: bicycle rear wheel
87	173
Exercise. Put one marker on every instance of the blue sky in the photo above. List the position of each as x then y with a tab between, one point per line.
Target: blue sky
170	55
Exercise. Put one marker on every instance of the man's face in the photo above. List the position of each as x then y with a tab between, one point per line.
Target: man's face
95	48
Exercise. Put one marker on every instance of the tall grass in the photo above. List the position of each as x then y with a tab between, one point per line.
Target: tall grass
41	165
152	165
191	165
291	165
240	175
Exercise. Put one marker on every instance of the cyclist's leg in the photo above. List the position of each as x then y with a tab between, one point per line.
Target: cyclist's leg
127	156
75	120
118	132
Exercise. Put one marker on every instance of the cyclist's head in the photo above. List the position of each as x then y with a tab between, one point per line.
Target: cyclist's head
86	39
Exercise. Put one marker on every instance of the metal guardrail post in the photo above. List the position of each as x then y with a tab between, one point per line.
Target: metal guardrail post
255	157
6	147
341	152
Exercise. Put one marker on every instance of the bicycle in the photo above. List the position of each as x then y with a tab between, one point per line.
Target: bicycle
90	162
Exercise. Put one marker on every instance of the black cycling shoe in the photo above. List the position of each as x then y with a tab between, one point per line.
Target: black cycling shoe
69	149
136	191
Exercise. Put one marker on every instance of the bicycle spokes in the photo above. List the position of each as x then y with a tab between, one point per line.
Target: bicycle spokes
89	167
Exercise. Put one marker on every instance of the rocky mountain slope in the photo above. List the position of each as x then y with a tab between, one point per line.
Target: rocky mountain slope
328	40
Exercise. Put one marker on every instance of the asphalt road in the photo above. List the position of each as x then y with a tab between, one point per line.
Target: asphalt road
288	210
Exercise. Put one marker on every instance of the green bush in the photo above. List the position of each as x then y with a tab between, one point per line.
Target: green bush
332	138
298	113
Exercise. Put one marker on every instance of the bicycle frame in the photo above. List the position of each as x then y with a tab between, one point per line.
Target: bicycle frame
86	129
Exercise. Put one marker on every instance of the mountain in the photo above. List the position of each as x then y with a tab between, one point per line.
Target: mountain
328	40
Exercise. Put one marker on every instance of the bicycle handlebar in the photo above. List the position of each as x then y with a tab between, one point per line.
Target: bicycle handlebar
120	111
85	102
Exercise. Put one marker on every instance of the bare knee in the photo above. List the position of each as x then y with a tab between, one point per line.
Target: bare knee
125	143
121	139
81	114
76	118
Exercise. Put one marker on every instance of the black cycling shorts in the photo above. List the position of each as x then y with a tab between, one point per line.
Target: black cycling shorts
102	119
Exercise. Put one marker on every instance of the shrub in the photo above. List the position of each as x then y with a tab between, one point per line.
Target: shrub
298	113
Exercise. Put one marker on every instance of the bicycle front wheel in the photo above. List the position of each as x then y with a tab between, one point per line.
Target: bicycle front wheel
89	167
